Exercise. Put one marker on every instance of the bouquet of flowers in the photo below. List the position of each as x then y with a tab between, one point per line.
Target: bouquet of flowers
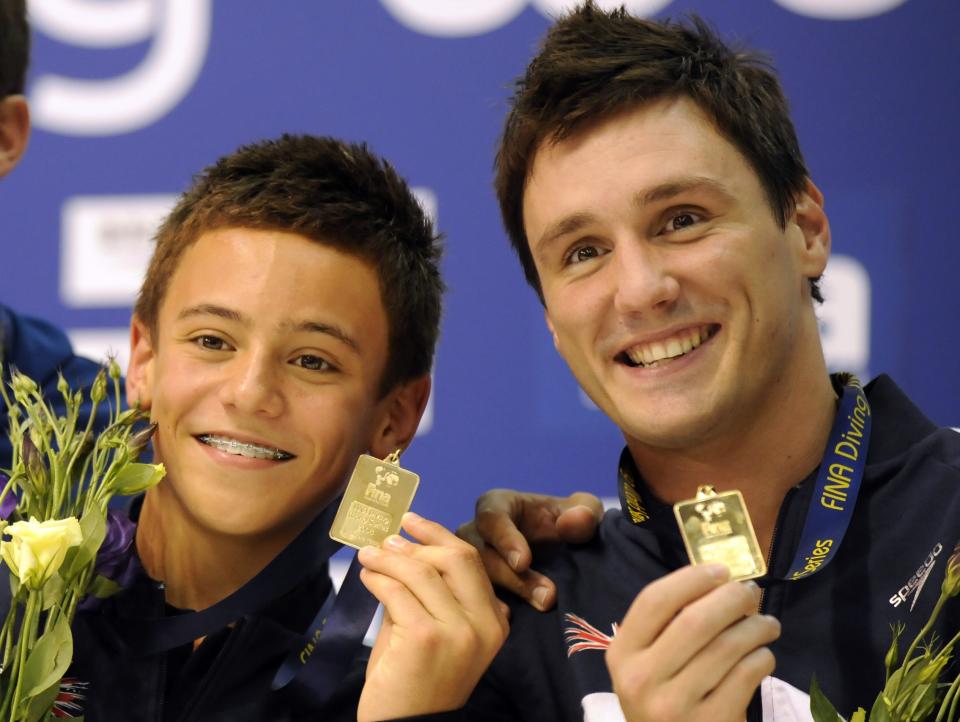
55	520
913	691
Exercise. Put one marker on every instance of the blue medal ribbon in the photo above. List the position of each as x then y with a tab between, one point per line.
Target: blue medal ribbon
331	641
835	491
838	484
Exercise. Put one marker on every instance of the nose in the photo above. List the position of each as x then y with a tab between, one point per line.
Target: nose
643	277
251	386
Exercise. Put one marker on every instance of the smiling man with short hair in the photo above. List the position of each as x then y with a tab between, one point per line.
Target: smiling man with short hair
286	325
652	185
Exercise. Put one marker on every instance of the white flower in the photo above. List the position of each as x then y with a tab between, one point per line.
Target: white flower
37	548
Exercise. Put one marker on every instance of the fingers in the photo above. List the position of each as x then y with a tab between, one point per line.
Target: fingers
738	687
662	600
692	647
701	621
498	519
444	575
507	522
724	657
578	523
396	599
535	588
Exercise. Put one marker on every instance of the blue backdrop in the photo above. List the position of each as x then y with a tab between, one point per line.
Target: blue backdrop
133	96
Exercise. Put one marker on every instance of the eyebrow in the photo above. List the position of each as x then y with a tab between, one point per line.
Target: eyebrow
673	188
229	314
659	193
330	329
565	226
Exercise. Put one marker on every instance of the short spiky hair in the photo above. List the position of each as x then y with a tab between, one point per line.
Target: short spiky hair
14	46
594	64
335	193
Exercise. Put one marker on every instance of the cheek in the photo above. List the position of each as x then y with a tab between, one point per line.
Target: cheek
336	420
581	312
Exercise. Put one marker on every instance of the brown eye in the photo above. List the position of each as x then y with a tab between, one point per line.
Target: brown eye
211	342
583	253
683	220
313	363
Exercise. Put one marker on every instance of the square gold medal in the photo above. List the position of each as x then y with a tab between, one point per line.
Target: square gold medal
716	529
378	494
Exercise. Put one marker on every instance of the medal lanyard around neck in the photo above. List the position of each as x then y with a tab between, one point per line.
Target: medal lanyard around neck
838	484
835	491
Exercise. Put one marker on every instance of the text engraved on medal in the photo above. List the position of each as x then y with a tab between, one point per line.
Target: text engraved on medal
716	529
377	496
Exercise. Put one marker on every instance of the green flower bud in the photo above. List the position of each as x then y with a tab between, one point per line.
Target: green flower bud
23	386
138	442
33	463
63	387
114	369
893	654
98	392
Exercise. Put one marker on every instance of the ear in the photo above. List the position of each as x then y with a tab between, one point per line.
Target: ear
553	333
14	131
140	372
399	416
811	220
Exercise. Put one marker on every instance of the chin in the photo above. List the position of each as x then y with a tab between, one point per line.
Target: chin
667	431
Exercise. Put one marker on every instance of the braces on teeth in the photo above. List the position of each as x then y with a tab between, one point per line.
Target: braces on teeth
232	446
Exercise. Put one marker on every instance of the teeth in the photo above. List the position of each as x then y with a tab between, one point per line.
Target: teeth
240	448
651	354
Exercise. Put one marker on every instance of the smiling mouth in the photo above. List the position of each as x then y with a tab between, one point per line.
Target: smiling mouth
242	448
663	351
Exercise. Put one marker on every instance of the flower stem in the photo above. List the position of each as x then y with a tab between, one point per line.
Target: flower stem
23	648
915	643
949	700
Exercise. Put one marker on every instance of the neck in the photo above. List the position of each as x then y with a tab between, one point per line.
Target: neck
783	443
198	566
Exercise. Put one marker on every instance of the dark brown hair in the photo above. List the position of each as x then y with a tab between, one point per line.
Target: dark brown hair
594	64
336	193
14	46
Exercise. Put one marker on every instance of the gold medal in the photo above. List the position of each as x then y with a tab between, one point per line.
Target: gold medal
716	529
378	494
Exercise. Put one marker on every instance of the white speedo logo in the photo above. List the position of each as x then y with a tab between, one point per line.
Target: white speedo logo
915	584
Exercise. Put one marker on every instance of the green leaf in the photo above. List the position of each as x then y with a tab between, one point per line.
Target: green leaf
38	708
135	478
859	716
49	659
880	712
52	591
820	708
102	587
93	528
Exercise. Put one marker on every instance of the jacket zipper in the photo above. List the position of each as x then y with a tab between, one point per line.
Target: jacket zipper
761	605
162	677
203	691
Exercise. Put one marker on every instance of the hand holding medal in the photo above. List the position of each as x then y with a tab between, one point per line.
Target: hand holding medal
442	623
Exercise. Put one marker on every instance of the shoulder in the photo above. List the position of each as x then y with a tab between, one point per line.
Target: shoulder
39	349
902	434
